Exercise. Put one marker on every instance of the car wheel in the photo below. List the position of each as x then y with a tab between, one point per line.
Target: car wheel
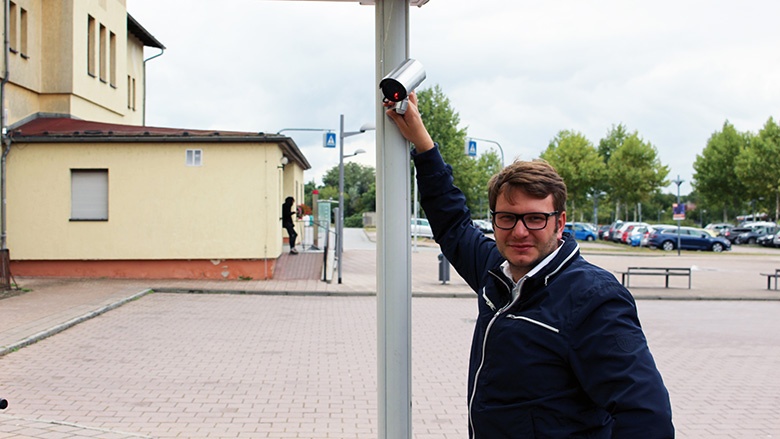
667	246
752	241
717	247
589	238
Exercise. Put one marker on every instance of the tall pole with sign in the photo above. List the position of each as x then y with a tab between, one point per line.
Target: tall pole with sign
679	211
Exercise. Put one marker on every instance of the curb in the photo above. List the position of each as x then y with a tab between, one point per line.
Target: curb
70	323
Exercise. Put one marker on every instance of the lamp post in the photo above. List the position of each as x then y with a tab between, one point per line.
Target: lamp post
678	182
491	141
340	220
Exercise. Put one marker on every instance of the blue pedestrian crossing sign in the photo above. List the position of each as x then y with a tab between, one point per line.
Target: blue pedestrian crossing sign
329	140
471	148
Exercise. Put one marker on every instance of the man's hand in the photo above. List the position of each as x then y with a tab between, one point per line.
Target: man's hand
410	124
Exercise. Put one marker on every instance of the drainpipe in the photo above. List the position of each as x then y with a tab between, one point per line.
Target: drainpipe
143	121
6	141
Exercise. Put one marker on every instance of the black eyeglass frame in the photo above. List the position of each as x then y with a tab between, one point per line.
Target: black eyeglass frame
521	217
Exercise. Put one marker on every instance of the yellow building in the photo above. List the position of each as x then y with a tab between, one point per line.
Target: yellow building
89	191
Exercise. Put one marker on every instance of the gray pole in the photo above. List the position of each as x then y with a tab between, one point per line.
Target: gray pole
340	220
394	302
678	182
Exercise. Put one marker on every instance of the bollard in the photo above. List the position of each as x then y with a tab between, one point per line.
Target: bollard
444	269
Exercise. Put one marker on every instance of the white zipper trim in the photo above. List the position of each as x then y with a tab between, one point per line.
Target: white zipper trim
535	322
484	342
487	301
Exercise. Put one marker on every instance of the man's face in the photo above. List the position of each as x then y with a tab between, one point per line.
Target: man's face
524	248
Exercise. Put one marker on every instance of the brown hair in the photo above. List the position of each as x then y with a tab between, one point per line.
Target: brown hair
535	178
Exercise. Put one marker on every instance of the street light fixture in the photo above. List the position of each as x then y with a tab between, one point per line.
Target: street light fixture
340	219
678	182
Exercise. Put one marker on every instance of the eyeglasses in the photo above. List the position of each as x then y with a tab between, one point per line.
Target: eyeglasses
531	220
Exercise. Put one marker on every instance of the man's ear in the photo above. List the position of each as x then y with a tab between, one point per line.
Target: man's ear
561	224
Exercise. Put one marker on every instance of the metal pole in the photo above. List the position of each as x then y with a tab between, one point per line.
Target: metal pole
340	220
394	377
678	182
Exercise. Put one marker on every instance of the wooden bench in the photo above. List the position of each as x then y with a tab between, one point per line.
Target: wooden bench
667	272
769	277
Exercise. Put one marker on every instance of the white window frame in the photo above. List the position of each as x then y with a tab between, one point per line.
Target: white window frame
89	194
193	157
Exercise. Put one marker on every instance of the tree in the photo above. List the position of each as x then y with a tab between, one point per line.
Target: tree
615	137
715	178
578	163
359	181
758	165
634	171
470	176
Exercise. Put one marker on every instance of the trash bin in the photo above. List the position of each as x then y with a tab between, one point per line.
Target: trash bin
444	269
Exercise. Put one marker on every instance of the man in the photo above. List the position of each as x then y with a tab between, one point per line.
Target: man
558	351
288	224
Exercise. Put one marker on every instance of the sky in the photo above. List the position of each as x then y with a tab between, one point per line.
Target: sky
516	71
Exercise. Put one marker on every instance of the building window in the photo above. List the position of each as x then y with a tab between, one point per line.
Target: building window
13	28
112	58
194	157
91	53
23	32
102	55
89	194
130	93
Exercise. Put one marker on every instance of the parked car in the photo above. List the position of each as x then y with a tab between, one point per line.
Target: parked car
603	232
767	240
751	237
690	239
731	234
483	226
719	228
622	233
581	231
421	227
613	229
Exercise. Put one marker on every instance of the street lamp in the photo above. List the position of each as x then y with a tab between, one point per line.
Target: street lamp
491	141
340	222
678	182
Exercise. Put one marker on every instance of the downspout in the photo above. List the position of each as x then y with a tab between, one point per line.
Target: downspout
6	141
143	120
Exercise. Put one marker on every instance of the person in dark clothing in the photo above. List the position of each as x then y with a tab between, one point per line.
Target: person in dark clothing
558	350
287	222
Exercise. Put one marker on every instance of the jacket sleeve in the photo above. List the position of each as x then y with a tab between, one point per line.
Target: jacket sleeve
469	251
610	356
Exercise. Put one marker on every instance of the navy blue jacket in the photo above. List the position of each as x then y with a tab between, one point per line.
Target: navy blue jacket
568	358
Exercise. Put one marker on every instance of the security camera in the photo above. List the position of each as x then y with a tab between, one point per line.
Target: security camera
397	85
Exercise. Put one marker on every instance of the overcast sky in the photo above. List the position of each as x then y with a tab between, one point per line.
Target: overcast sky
516	71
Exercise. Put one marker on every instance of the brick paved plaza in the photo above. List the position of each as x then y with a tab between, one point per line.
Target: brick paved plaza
281	366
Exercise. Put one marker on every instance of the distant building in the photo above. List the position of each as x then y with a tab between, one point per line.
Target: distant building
92	192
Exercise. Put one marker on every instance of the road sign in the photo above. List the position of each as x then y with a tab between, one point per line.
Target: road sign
471	148
329	140
679	211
